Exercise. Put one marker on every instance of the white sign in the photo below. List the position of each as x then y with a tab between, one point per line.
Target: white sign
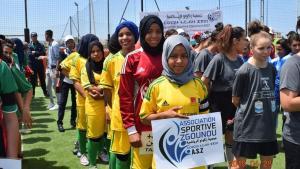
188	143
190	21
147	143
10	164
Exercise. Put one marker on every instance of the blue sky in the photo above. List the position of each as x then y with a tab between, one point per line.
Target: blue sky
54	14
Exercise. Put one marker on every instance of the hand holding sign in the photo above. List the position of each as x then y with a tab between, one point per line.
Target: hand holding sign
172	113
135	140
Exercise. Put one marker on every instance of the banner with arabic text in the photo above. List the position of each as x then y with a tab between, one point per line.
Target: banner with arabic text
190	21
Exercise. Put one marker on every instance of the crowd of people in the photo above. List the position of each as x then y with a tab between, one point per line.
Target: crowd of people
149	75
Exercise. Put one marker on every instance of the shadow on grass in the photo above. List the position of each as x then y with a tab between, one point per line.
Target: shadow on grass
36	139
38	132
38	163
40	114
44	120
38	104
38	125
35	152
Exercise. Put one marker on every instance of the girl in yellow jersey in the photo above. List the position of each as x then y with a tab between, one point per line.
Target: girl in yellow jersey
94	102
127	33
177	93
75	75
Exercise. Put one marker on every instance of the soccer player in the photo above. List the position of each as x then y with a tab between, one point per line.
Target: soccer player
127	33
177	77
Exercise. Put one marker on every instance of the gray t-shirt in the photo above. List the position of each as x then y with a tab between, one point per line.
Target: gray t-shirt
202	60
255	118
290	79
221	71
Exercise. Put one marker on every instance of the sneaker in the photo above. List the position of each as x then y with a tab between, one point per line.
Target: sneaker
50	105
78	154
55	107
93	167
84	160
60	128
103	157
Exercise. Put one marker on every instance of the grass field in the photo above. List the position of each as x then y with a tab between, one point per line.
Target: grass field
46	148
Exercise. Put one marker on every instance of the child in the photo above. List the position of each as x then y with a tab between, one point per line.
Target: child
178	79
127	33
253	95
94	102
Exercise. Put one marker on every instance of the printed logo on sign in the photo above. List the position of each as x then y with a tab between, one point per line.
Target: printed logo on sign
172	148
213	16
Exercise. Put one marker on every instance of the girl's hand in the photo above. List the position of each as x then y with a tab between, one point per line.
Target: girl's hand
26	117
172	113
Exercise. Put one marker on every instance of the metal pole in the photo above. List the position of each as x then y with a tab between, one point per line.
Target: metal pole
246	16
90	16
108	33
249	11
219	4
142	5
26	30
76	4
70	25
262	11
157	5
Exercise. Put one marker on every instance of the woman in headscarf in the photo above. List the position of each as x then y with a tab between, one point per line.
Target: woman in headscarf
178	78
140	68
126	35
94	102
78	63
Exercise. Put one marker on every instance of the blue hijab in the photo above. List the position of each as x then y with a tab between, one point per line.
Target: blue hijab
168	47
131	26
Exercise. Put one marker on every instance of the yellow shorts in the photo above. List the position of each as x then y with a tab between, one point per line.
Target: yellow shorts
119	142
81	118
109	132
142	161
95	126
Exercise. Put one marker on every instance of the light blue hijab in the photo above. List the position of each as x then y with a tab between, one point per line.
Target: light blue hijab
168	47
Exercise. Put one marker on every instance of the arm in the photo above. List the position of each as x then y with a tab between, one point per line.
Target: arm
206	82
79	88
171	113
26	116
108	97
126	93
239	86
290	100
236	101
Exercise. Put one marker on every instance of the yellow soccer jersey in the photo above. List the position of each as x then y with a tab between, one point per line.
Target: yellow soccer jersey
111	80
163	95
67	62
75	74
92	106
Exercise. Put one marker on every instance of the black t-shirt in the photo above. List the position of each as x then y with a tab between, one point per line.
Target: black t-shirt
202	60
221	71
290	79
255	118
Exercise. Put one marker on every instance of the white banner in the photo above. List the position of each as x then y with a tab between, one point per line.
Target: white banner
190	21
10	164
188	143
